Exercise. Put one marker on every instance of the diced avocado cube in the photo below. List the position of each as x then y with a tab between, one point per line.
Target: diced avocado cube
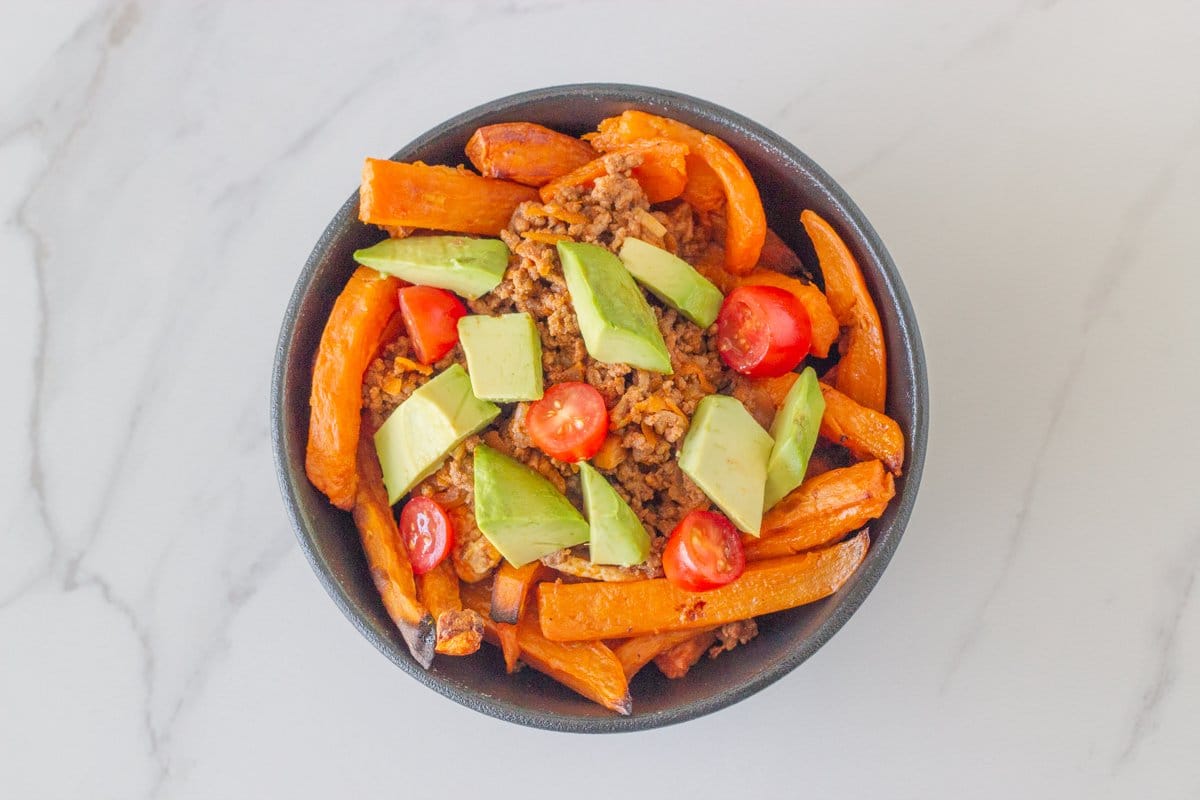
521	513
795	433
415	439
725	453
504	356
618	536
460	264
673	280
616	322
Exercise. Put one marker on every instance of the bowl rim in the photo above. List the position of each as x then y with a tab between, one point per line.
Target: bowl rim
870	570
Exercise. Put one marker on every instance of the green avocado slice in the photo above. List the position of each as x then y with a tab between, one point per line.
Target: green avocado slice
618	536
460	264
725	453
795	433
617	324
417	436
521	513
673	280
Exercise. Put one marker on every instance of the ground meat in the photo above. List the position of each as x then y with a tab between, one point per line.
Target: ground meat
732	634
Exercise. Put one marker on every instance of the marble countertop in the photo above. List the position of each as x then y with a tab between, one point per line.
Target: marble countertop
165	169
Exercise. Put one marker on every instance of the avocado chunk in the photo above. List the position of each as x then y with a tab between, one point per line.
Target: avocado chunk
618	536
504	356
465	266
415	439
725	453
794	430
521	513
616	322
673	280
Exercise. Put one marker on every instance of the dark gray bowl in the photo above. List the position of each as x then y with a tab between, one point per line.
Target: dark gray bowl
789	182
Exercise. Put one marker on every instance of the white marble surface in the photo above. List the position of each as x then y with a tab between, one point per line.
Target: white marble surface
165	169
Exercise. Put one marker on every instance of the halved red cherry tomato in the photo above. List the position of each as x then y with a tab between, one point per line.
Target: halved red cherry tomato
762	331
704	552
431	318
428	533
569	422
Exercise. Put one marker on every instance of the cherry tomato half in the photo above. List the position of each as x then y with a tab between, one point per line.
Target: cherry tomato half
704	552
431	318
569	422
427	532
762	331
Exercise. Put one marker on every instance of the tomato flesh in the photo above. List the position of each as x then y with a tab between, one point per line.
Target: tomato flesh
704	552
427	532
431	318
763	331
569	423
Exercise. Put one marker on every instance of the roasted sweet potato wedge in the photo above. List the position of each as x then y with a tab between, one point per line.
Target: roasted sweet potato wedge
459	630
862	370
677	661
441	198
526	153
863	431
510	589
391	571
351	337
579	612
822	510
662	173
778	255
589	668
638	651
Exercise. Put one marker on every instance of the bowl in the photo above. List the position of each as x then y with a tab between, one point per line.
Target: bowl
789	182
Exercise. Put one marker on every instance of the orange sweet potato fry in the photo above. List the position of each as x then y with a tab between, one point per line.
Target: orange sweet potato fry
638	651
351	337
459	630
778	255
510	589
576	612
862	369
442	198
589	668
822	510
526	153
662	173
703	191
863	431
746	222
825	328
391	571
679	660
509	644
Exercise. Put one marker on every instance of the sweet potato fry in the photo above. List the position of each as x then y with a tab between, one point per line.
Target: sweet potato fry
825	328
822	510
459	630
391	571
578	612
677	661
777	255
863	431
746	222
510	645
662	173
589	668
442	198
510	589
862	369
352	334
639	651
526	153
703	191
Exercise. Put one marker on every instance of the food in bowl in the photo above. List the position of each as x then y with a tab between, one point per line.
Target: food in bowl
587	377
